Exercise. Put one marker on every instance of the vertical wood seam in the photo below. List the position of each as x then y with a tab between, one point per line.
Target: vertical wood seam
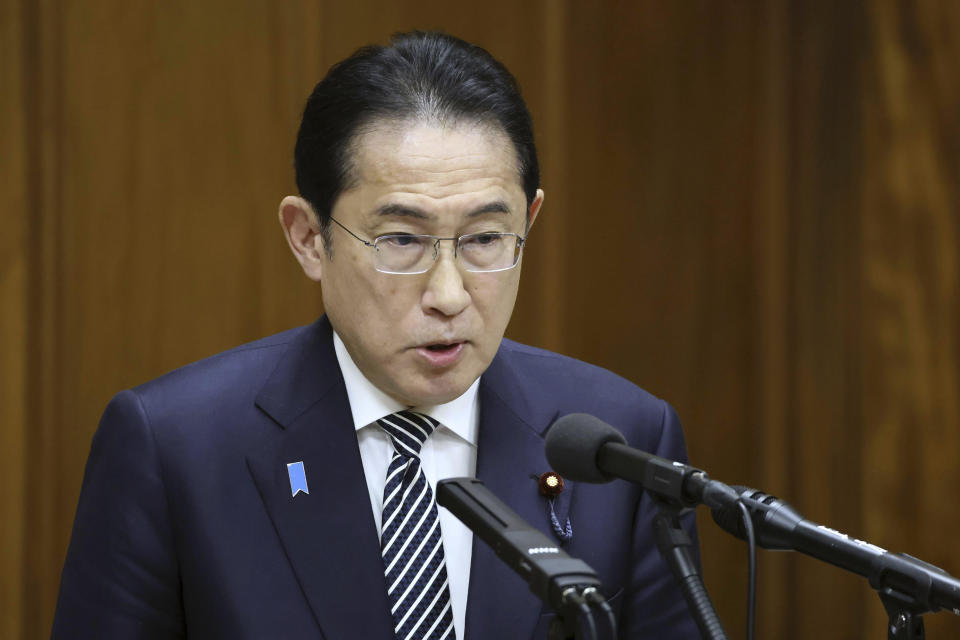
553	231
771	271
43	492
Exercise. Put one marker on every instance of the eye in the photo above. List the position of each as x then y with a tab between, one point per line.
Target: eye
400	240
482	240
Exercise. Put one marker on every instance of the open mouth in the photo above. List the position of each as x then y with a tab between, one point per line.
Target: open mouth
442	355
442	348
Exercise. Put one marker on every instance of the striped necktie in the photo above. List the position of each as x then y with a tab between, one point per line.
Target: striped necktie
410	539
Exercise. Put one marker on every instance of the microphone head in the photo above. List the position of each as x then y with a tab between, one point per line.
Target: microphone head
774	521
573	443
729	516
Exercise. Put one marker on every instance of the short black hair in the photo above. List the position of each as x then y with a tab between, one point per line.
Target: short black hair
420	75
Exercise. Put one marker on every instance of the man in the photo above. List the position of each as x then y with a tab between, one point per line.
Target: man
284	489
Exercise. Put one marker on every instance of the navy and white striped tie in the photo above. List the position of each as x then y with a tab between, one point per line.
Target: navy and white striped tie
410	539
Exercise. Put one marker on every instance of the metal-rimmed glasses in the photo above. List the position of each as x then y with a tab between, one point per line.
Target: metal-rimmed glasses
411	254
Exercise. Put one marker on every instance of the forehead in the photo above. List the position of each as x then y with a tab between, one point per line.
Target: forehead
433	160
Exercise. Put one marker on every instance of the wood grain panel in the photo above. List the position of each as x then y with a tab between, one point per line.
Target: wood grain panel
13	318
551	244
911	269
162	143
771	241
827	45
45	516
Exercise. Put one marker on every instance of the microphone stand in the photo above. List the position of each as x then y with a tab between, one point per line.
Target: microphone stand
906	621
905	606
675	544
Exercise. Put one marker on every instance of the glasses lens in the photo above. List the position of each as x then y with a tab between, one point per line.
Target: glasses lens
403	254
489	251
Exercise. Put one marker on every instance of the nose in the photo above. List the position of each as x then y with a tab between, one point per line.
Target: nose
445	292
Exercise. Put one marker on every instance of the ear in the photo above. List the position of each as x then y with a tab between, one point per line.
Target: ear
534	209
302	231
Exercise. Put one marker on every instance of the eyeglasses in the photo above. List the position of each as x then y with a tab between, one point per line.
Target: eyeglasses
410	254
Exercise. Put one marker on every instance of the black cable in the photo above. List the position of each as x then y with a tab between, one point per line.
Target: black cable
751	567
572	596
593	595
586	613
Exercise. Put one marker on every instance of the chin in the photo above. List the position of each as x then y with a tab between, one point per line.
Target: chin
434	394
428	399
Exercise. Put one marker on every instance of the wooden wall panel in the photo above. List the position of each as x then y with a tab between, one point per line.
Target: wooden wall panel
161	145
770	241
822	426
44	513
911	279
751	210
13	318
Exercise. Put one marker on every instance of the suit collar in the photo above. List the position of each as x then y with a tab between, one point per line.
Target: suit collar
306	373
329	534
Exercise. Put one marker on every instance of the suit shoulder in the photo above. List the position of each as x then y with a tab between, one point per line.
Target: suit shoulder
221	369
567	385
214	387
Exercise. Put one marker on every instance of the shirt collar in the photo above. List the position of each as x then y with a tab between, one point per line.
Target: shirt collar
368	403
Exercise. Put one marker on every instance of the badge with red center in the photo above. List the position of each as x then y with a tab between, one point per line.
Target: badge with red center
550	485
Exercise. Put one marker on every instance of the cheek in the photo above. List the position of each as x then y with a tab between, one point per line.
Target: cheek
494	298
396	302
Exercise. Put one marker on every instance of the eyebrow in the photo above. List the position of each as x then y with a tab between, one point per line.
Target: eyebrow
394	209
497	206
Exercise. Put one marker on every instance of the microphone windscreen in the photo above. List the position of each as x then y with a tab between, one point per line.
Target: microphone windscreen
573	443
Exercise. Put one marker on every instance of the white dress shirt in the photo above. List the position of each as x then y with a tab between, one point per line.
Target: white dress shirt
449	452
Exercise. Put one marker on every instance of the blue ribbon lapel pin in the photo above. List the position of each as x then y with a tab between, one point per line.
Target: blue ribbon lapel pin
298	478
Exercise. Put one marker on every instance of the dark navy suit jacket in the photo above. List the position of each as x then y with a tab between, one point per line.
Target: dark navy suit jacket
186	525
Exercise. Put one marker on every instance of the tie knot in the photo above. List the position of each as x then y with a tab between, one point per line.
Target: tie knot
408	430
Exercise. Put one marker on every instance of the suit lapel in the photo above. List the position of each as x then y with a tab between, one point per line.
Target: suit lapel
510	459
329	535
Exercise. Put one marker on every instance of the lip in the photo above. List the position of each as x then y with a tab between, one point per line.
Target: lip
444	358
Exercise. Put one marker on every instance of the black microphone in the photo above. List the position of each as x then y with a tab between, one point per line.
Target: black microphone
586	449
778	526
555	577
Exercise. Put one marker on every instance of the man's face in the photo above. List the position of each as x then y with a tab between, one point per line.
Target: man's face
423	339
